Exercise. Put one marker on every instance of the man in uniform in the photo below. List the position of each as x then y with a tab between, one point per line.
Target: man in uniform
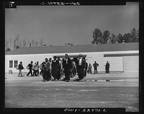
67	65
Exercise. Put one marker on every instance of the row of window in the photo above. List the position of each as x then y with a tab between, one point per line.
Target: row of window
13	64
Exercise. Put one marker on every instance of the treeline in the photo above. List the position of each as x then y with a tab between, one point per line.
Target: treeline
105	37
11	44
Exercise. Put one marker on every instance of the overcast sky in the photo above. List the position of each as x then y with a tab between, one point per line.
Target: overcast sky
58	25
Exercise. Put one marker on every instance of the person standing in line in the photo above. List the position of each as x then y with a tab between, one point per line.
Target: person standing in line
40	66
37	69
55	68
43	69
20	68
107	66
67	65
48	77
95	65
90	68
59	69
30	68
74	68
62	72
85	67
81	67
50	69
34	69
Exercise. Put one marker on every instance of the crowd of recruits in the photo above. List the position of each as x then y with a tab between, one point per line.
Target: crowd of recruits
56	68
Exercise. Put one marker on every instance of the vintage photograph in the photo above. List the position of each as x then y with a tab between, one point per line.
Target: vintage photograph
68	55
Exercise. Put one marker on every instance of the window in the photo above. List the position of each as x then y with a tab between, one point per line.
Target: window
15	64
10	64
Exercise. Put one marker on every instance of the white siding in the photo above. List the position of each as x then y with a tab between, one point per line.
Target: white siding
115	62
131	63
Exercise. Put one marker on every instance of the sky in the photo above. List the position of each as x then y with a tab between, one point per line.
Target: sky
58	25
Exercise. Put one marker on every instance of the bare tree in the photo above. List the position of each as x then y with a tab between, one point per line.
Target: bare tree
17	40
36	43
24	43
14	44
20	43
32	42
28	43
10	43
41	42
6	44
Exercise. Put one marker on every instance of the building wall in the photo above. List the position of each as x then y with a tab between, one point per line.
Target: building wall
116	63
131	63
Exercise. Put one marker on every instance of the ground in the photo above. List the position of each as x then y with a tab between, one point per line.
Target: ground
120	91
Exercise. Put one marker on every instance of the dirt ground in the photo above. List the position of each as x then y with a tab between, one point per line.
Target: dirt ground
122	91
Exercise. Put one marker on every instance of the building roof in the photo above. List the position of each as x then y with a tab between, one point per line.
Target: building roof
75	49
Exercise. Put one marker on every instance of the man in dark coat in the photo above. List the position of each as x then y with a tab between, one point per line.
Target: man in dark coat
43	69
60	68
81	67
20	68
67	65
107	66
47	70
85	66
95	65
55	68
30	68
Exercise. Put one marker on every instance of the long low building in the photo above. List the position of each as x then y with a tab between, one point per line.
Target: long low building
123	57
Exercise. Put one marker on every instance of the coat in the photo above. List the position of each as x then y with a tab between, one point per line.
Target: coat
67	66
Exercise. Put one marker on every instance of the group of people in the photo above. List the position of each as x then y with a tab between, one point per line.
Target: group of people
95	65
57	68
33	69
67	67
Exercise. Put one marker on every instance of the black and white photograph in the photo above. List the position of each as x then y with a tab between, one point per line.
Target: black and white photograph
74	57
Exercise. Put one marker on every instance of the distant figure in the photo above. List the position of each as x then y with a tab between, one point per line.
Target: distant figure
107	66
30	68
20	68
95	65
90	68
